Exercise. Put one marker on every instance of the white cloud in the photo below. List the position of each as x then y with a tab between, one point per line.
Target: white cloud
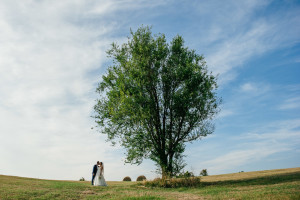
256	146
225	113
229	49
254	88
250	90
239	158
111	7
47	83
291	103
248	87
51	58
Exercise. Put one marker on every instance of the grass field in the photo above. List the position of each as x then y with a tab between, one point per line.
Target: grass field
271	184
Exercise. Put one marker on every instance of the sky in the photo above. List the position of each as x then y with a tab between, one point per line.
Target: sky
53	55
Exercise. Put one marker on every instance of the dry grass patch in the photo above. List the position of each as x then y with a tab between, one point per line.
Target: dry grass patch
247	175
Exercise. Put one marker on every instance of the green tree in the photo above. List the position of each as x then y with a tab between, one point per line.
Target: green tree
154	98
204	172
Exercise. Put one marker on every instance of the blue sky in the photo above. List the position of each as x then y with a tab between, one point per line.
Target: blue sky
52	55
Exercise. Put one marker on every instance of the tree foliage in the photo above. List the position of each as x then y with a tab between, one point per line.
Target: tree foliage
156	97
204	172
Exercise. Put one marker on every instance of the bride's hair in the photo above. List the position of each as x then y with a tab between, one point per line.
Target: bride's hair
102	166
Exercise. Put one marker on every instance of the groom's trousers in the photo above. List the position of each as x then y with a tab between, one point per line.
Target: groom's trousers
93	177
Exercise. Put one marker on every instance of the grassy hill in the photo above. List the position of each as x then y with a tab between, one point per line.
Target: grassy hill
270	184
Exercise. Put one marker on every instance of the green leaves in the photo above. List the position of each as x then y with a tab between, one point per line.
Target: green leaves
155	97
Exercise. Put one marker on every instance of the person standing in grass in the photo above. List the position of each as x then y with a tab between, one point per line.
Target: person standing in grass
99	178
95	171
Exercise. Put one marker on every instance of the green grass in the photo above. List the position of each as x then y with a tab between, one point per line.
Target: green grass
272	184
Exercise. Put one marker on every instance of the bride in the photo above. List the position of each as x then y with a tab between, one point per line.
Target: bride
99	178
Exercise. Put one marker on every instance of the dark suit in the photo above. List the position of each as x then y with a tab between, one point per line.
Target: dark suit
94	173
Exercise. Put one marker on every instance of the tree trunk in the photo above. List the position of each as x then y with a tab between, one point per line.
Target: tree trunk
170	164
164	166
164	173
167	166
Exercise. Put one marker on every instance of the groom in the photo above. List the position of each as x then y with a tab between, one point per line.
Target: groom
94	172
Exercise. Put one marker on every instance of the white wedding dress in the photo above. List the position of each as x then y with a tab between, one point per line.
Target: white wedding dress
99	178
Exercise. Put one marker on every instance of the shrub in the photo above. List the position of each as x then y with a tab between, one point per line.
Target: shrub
186	174
82	179
173	182
141	178
204	172
127	178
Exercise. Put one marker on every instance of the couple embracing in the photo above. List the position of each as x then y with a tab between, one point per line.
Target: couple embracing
98	175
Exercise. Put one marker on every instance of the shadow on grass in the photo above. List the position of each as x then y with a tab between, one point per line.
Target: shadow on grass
265	180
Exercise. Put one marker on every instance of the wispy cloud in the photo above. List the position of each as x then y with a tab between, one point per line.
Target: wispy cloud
51	57
113	7
291	103
225	113
248	87
257	145
230	49
53	54
238	158
254	88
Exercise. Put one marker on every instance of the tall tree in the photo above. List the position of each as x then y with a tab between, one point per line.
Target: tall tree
156	97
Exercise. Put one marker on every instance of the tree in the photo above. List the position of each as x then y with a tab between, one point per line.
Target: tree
204	172
154	98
